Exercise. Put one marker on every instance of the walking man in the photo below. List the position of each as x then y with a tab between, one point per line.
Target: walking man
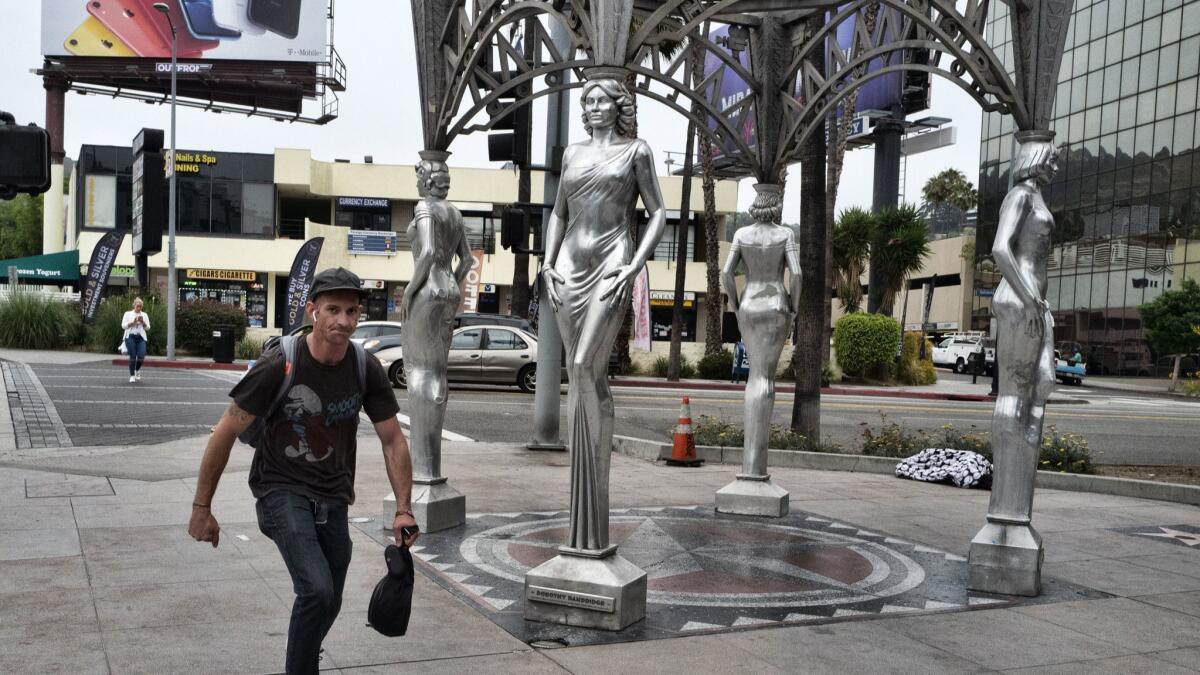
303	468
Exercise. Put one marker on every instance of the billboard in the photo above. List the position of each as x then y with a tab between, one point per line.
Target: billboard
246	30
907	89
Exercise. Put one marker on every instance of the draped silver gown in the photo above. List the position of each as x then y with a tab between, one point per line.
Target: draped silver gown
600	199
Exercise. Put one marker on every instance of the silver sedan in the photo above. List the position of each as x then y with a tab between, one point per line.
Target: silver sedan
479	355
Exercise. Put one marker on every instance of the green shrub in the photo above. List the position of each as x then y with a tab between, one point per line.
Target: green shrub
1191	384
913	369
826	374
865	343
713	431
892	440
248	348
104	332
30	320
710	430
717	366
195	321
662	364
1065	453
686	369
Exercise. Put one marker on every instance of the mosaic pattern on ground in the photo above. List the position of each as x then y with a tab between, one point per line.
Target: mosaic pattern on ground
710	572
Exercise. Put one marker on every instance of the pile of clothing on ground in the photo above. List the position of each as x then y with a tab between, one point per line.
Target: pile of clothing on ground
961	468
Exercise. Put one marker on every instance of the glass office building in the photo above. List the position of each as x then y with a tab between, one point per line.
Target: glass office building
1126	200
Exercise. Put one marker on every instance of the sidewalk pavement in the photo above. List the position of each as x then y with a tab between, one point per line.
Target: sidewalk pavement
98	575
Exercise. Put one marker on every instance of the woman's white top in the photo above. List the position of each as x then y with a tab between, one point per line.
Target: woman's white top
134	329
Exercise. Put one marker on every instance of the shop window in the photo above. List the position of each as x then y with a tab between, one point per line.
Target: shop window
226	207
258	208
193	204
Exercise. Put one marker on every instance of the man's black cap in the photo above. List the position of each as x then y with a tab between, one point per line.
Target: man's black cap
335	279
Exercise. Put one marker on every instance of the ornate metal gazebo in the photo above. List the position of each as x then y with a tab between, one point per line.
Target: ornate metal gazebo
474	72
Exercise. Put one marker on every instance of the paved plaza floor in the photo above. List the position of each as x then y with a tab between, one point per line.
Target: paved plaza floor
866	574
97	574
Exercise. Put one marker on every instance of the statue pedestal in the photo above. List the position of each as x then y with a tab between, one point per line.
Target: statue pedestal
591	589
435	505
1006	558
753	496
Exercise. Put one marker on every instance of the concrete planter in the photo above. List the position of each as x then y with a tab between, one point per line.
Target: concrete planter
825	461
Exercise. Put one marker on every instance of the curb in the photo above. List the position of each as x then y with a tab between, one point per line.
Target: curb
833	391
193	365
828	461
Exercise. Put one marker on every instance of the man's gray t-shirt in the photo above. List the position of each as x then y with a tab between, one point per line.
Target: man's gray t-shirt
309	444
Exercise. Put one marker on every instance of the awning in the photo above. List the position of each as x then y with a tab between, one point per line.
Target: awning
53	267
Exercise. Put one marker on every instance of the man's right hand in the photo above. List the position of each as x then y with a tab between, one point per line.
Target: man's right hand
203	526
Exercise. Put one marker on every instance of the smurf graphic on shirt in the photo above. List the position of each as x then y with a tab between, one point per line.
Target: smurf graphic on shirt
303	409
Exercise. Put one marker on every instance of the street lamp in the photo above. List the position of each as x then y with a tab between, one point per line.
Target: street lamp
172	282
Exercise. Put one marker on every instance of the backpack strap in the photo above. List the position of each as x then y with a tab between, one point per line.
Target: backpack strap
360	354
286	343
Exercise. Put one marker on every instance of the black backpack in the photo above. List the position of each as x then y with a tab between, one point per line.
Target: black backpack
254	434
391	602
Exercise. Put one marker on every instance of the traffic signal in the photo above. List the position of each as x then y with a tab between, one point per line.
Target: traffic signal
511	144
24	158
514	227
515	223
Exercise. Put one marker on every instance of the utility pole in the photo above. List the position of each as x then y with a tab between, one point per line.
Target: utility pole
681	241
172	280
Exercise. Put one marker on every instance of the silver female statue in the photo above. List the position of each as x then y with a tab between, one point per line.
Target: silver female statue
589	271
766	312
1025	359
431	299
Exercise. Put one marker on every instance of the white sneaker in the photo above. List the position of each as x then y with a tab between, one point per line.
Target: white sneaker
138	375
133	378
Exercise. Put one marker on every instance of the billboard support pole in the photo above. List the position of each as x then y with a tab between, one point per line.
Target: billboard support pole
52	200
886	191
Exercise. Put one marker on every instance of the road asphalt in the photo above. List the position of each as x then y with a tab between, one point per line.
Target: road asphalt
98	575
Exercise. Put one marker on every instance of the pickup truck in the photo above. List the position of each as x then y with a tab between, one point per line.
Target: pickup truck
956	351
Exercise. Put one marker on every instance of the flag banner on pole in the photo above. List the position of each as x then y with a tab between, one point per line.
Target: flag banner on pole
300	279
99	267
641	310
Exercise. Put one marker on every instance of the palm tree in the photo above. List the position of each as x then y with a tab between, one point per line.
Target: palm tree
950	187
898	249
808	358
851	248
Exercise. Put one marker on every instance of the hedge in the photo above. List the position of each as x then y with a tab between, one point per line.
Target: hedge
865	342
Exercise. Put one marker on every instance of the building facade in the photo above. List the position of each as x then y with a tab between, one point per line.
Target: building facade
1126	200
242	217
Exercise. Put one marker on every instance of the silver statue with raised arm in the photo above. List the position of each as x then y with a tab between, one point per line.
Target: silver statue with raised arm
1006	555
431	300
589	270
766	312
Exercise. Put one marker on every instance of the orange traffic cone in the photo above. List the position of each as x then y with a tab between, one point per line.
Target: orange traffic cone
683	453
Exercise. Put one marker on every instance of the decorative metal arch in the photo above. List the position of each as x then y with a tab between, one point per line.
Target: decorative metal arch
470	63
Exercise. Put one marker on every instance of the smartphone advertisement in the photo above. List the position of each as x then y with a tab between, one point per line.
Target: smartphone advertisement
251	30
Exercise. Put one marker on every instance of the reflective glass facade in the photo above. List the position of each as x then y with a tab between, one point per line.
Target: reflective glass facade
1126	200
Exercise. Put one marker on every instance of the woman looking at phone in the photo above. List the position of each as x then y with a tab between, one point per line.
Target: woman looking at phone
135	322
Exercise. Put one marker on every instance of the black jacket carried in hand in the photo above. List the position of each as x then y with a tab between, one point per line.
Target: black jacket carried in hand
391	602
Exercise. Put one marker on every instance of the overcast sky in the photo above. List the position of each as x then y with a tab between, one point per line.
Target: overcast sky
378	111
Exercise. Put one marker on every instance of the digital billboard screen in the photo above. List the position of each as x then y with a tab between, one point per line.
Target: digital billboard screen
880	93
246	30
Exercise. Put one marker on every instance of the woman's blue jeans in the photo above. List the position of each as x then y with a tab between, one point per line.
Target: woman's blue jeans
136	346
314	539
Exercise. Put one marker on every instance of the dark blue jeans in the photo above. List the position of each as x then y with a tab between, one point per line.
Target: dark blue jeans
314	539
136	346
